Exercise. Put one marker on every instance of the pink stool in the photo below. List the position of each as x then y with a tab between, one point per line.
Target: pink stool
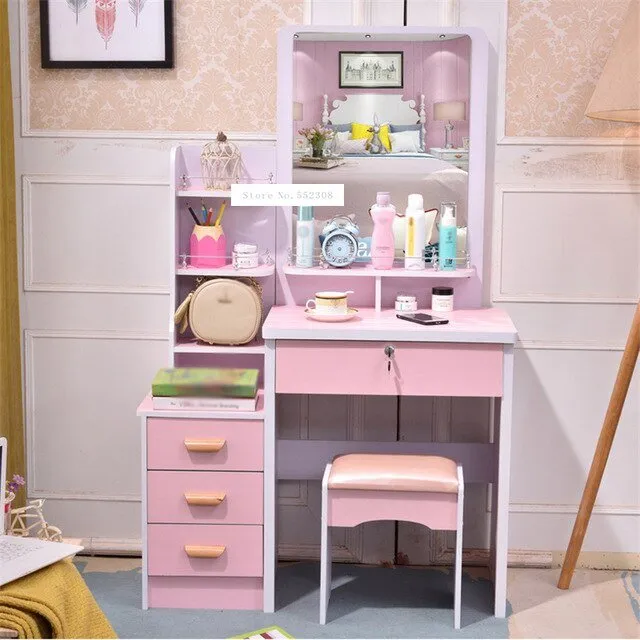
358	488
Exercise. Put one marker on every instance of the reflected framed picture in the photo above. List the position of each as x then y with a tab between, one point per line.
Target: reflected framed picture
371	70
99	34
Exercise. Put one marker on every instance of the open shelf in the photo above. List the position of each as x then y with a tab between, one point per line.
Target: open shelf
203	193
261	271
196	346
367	271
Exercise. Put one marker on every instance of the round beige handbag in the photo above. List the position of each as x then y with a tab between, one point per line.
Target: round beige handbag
222	311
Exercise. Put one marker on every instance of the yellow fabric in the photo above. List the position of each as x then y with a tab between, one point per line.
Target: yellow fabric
11	424
359	131
54	602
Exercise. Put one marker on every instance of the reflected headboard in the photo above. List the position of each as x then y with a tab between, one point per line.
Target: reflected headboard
361	107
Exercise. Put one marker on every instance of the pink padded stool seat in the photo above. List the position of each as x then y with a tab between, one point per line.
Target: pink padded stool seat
384	472
363	487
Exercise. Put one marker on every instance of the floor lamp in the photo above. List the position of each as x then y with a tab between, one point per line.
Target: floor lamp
616	98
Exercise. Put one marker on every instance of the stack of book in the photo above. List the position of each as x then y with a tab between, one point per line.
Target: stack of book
205	388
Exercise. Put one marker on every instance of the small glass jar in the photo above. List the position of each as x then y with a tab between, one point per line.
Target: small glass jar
442	299
245	255
406	303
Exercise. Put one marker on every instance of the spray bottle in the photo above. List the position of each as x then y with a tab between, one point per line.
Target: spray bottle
447	245
382	242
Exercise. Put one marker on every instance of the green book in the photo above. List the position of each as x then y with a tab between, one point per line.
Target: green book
199	382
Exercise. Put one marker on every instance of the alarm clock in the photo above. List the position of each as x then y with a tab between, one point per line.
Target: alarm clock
340	241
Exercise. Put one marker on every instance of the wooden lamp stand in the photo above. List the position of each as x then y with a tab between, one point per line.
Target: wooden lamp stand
612	417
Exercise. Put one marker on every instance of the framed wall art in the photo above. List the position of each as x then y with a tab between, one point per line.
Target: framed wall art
93	34
371	70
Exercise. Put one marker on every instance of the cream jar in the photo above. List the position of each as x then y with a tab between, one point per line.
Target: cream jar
406	303
245	256
442	299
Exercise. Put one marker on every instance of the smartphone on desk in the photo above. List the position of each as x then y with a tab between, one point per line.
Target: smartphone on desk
421	318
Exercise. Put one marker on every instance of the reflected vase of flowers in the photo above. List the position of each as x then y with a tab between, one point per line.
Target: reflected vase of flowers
317	137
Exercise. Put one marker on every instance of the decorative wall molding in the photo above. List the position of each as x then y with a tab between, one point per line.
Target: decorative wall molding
533	345
29	284
566	142
601	510
496	275
30	336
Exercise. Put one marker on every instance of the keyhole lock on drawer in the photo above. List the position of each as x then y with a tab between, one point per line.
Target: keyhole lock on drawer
389	350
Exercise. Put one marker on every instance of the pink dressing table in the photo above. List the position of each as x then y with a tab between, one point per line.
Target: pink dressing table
470	356
210	477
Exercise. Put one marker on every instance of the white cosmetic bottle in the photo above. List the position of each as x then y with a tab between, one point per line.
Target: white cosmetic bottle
304	237
415	233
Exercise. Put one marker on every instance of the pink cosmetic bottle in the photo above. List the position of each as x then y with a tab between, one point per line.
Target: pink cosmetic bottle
382	242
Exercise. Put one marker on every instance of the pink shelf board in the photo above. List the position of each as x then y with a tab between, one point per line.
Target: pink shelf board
367	271
261	271
196	346
146	409
465	325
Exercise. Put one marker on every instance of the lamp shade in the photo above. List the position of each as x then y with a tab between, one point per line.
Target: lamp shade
453	110
617	94
297	111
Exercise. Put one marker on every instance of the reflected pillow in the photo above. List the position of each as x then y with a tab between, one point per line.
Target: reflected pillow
398	128
340	127
359	130
351	146
405	141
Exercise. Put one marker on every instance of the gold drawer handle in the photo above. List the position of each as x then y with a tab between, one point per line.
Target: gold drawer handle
205	499
198	551
205	446
458	155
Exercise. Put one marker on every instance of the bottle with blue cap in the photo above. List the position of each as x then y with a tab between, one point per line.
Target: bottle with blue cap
304	237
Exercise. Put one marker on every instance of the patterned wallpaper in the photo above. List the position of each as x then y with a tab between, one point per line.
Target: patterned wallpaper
224	75
556	52
225	72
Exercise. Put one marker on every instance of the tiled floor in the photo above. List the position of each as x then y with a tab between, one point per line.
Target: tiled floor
599	604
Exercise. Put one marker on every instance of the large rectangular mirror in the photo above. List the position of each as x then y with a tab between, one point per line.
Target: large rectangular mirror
396	109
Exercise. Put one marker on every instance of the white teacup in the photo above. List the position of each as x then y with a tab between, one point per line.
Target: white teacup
329	303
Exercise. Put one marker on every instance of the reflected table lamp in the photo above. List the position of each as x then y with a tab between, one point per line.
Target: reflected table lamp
616	98
448	111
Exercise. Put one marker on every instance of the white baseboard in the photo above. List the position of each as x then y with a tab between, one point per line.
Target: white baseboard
132	547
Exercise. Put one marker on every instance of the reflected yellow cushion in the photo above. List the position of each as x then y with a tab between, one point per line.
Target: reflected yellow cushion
359	130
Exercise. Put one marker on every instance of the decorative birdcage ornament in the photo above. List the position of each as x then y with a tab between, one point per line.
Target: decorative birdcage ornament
220	162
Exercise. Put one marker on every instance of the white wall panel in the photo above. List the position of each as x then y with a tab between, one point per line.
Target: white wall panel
91	234
560	401
83	436
567	245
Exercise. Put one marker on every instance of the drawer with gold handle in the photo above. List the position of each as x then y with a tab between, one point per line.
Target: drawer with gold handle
188	444
201	551
193	497
204	550
204	445
204	499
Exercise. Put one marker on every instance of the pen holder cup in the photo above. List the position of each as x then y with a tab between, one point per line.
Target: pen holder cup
208	246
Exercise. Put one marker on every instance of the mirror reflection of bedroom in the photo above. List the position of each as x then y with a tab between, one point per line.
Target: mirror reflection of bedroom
384	115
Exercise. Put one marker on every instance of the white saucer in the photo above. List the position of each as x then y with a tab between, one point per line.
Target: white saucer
334	317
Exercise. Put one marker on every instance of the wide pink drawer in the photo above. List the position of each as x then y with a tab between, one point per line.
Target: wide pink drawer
206	445
362	368
205	593
204	498
204	550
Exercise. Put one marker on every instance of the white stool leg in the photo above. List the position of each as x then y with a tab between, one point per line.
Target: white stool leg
457	596
325	550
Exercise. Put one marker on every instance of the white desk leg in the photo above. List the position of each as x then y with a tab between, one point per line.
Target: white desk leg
500	502
269	479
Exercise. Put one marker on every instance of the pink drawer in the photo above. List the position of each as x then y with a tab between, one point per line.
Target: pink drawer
204	445
204	550
417	368
205	593
204	498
